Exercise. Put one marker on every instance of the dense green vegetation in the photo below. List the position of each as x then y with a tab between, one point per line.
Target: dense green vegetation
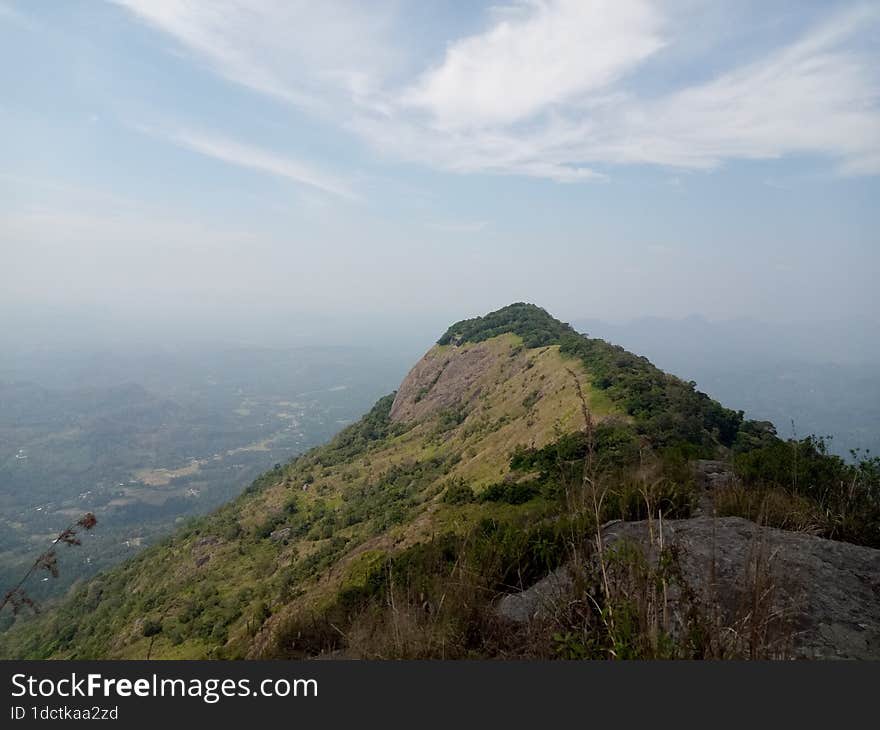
665	483
443	588
832	497
355	439
536	327
668	411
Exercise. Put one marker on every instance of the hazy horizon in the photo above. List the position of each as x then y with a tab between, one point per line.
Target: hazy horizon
261	170
26	331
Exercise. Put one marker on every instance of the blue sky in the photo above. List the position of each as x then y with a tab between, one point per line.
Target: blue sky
293	165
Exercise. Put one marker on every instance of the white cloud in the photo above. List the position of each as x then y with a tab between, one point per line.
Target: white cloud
549	53
815	96
550	88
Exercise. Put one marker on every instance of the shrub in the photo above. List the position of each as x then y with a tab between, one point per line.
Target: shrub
151	627
634	499
510	493
533	324
458	493
531	399
773	507
847	495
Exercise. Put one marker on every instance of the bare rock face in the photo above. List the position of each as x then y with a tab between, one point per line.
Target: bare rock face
279	535
442	379
828	591
539	599
713	474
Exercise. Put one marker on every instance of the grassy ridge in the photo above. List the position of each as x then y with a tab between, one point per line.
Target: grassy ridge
668	411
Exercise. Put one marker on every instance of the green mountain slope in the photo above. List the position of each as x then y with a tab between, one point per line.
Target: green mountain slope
395	538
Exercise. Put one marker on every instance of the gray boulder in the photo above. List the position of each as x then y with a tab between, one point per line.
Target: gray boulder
827	592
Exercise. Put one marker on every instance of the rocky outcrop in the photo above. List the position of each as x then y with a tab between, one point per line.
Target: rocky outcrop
712	474
827	591
280	534
441	379
537	600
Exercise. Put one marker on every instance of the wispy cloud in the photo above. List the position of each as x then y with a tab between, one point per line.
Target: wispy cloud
550	88
813	96
298	51
256	158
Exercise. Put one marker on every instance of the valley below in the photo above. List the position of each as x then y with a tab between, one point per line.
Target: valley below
145	456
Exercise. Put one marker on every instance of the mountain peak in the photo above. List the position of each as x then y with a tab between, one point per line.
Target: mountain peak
533	324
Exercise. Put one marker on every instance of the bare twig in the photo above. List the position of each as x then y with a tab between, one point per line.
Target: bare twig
16	596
